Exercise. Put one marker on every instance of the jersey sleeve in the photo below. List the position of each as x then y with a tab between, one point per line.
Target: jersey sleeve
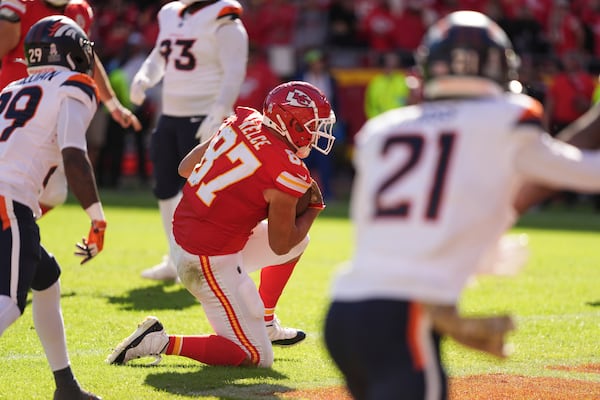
531	114
81	87
74	117
291	175
232	41
294	184
79	101
557	164
12	10
231	10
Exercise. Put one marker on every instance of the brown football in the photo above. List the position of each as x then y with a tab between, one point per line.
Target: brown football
303	202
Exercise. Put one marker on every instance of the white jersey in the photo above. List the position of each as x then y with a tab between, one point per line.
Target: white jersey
194	71
35	127
434	189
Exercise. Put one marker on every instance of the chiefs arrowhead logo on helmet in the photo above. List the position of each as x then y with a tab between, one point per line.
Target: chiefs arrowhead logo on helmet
298	98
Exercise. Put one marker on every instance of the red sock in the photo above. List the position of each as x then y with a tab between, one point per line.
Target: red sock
45	208
272	281
208	349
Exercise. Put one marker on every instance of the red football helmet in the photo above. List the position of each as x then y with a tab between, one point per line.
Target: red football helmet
300	112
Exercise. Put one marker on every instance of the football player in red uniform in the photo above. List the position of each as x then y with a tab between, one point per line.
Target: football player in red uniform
16	17
43	119
237	214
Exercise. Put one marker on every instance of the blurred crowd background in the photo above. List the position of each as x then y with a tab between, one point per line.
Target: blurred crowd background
359	52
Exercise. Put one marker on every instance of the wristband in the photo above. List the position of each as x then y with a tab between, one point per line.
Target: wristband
317	206
110	104
95	212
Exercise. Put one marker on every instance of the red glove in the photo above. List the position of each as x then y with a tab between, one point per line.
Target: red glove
94	243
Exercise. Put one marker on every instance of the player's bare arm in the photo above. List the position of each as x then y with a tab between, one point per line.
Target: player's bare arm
118	112
186	166
486	334
10	31
285	229
80	176
583	133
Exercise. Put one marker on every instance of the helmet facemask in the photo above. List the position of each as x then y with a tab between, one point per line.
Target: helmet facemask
322	130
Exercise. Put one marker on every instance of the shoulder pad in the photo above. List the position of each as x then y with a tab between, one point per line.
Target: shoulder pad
531	113
232	11
11	10
85	84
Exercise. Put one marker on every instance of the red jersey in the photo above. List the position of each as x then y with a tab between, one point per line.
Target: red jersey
223	198
565	90
29	12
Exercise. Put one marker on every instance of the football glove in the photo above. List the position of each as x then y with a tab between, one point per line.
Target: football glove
137	91
90	247
211	123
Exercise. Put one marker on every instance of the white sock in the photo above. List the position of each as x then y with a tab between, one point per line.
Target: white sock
167	209
48	321
9	312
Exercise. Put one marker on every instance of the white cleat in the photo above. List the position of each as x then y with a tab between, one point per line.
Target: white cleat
165	271
149	340
281	336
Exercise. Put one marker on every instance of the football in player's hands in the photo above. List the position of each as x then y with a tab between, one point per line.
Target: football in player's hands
312	198
316	197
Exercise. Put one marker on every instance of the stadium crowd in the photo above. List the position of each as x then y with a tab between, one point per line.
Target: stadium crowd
558	42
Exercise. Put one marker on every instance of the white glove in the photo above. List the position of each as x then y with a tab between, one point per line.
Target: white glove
211	123
137	91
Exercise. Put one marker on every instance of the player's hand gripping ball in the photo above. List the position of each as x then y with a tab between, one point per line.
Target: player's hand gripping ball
312	198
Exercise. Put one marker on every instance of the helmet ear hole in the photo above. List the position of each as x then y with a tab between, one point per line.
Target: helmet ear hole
298	127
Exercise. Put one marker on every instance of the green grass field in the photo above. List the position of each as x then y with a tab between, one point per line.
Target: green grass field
556	301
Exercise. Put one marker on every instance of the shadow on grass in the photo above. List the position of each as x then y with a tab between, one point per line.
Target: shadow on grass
220	382
162	296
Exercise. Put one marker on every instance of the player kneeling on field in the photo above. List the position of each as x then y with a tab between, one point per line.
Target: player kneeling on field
238	214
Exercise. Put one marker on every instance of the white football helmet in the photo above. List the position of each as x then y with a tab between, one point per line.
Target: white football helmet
58	3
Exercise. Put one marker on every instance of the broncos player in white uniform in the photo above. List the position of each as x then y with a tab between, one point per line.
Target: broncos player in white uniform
433	192
43	120
200	54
